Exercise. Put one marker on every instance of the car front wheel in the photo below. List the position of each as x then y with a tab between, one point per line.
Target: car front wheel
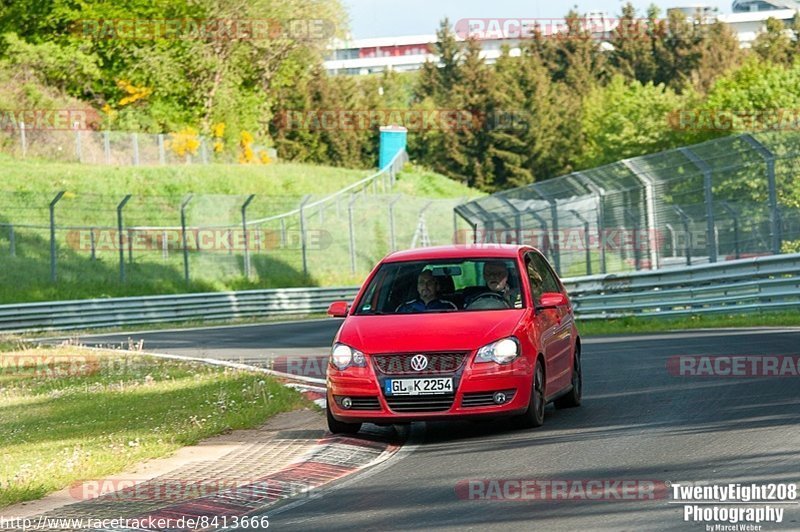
573	398
534	416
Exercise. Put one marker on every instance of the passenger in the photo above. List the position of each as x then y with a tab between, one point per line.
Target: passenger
428	289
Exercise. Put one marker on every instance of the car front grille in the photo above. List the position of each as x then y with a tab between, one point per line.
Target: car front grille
485	398
400	364
421	403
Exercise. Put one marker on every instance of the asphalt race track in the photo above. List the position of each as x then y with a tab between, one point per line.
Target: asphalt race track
638	422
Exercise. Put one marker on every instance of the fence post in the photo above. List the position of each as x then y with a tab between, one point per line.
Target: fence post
135	142
353	198
306	198
650	208
774	210
246	239
23	139
461	201
12	241
107	146
685	220
634	220
735	216
78	143
599	193
283	232
162	156
554	244
709	198
392	237
121	238
183	238
164	246
586	240
673	239
53	235
203	150
93	244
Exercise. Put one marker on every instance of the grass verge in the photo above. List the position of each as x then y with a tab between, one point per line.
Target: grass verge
656	324
68	415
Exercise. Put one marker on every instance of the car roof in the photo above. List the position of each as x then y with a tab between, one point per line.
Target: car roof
468	251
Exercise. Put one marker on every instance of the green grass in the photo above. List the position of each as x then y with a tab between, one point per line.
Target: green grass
84	416
655	324
219	191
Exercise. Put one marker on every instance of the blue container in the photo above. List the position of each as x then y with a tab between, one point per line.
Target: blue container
393	140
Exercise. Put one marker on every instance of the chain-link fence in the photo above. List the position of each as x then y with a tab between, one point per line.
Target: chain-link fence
121	148
729	198
74	245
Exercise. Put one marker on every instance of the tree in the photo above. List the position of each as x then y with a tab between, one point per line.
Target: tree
719	54
774	44
677	49
579	62
626	119
632	41
437	80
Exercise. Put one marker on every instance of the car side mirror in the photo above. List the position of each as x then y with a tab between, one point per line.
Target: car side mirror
551	300
338	309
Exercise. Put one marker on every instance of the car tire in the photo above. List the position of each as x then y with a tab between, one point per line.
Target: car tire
340	427
573	398
534	416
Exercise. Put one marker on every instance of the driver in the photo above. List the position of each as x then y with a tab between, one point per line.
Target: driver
428	289
495	274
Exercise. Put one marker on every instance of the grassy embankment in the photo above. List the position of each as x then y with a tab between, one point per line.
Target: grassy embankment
70	415
93	193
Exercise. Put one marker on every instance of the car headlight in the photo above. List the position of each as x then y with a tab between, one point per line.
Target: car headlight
343	356
502	351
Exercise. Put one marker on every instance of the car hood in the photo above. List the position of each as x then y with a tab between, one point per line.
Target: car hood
446	331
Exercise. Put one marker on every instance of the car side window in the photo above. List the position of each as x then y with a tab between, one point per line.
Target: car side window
541	277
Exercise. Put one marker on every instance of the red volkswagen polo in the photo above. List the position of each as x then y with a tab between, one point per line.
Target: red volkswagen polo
454	332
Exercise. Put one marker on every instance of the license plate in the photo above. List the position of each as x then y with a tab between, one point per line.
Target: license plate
430	386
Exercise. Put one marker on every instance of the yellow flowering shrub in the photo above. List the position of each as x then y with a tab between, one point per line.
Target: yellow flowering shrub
133	92
246	154
186	141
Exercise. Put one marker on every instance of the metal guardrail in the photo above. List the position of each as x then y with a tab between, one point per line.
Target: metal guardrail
124	312
765	283
740	286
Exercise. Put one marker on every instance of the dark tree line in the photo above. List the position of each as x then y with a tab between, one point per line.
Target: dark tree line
559	105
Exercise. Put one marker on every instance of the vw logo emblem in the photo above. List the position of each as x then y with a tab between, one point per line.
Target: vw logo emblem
419	362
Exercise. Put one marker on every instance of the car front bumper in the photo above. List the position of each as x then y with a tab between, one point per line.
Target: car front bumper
475	386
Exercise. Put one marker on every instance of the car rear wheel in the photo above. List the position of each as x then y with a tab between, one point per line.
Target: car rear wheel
340	427
534	416
573	398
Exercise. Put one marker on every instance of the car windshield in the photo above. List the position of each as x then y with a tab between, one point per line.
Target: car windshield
416	287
